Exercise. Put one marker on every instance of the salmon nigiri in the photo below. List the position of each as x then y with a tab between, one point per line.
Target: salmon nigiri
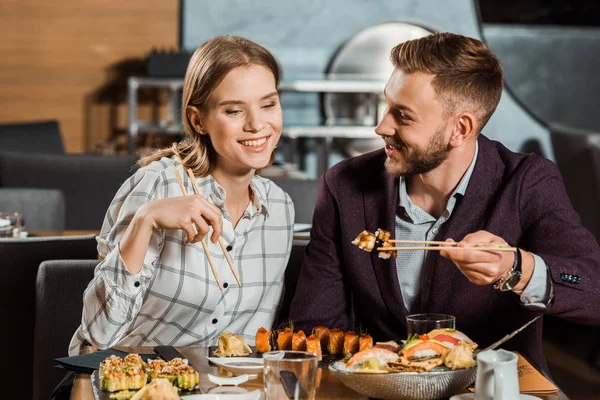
371	360
423	347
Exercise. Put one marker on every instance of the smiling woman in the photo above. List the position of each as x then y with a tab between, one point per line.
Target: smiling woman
156	285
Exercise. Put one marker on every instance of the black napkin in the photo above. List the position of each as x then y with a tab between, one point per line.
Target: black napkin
87	363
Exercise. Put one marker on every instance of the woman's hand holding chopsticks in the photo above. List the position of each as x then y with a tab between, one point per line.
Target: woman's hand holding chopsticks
186	213
193	214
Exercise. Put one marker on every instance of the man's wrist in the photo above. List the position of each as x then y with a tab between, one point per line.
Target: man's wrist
527	266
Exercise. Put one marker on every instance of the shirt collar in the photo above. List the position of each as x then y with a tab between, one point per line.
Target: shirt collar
215	193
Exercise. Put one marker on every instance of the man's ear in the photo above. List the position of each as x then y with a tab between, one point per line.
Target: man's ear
195	117
465	126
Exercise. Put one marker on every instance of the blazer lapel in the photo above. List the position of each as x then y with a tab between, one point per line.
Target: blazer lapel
380	198
468	215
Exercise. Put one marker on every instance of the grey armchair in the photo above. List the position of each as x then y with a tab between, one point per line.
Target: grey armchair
32	137
42	209
19	262
88	182
303	194
59	303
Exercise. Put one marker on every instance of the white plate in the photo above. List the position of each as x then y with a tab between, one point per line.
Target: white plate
255	395
471	396
239	365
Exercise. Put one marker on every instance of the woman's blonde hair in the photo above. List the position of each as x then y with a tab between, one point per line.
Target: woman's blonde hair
208	66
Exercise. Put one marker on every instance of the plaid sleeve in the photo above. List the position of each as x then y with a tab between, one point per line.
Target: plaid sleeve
114	297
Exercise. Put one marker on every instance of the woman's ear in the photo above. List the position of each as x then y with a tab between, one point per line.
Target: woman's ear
195	117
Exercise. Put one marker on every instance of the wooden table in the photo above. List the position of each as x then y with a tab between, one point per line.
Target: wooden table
328	386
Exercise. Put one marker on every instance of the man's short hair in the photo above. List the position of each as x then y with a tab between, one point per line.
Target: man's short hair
467	75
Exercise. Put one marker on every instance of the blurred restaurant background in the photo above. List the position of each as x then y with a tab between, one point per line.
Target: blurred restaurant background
88	86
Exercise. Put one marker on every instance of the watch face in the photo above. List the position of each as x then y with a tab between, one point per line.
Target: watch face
511	281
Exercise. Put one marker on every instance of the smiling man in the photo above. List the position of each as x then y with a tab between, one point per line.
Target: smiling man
440	178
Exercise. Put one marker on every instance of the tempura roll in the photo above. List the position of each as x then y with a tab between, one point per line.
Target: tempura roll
263	340
313	345
365	341
284	339
350	343
322	333
336	341
299	341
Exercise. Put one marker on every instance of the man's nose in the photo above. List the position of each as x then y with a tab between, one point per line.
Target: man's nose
385	126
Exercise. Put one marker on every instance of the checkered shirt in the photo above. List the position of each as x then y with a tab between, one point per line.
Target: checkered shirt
174	300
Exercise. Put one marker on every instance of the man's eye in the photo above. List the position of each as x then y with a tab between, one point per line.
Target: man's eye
270	105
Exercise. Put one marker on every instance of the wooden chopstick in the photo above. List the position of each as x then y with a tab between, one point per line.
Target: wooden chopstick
482	248
204	247
220	240
423	241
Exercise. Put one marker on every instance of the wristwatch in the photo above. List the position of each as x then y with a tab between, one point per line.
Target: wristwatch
508	282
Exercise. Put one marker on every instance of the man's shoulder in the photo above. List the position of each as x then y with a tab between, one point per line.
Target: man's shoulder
512	162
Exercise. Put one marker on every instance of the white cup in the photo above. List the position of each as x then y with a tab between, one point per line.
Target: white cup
497	376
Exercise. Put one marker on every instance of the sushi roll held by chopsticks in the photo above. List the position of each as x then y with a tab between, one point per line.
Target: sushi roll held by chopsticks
368	241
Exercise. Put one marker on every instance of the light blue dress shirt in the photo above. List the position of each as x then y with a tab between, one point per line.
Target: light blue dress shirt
415	268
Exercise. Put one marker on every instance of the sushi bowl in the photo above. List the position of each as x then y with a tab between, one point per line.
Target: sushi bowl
438	383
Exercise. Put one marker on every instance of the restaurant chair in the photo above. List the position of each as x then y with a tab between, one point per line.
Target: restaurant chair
292	273
89	182
19	262
575	153
304	195
32	137
42	209
59	303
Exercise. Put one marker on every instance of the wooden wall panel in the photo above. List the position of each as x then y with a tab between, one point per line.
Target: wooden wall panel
69	60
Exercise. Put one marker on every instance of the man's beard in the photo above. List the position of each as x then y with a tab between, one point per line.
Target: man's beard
414	160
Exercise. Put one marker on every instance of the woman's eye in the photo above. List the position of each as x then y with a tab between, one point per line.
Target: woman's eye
232	112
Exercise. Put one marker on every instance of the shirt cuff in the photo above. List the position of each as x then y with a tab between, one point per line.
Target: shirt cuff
539	291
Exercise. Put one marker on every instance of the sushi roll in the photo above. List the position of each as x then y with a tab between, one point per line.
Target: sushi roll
313	345
322	333
264	340
299	341
284	339
336	341
365	341
350	343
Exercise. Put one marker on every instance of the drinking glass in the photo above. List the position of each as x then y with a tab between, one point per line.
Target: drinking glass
290	374
421	324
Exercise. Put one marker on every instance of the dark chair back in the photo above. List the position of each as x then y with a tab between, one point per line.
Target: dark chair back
576	153
303	194
42	209
292	273
88	182
59	303
32	137
19	262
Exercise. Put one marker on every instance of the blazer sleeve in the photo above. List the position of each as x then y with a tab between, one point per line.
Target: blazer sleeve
322	294
553	230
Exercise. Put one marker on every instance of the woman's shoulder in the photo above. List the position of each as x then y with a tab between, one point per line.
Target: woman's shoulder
165	164
269	190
